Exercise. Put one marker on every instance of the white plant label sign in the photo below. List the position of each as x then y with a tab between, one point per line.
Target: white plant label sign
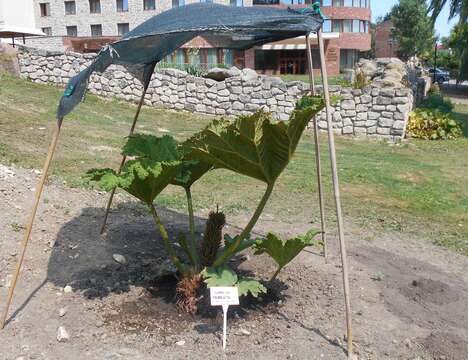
224	296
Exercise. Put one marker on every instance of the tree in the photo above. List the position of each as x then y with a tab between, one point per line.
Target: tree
457	7
458	42
413	28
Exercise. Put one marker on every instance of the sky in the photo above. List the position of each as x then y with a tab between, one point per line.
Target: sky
382	7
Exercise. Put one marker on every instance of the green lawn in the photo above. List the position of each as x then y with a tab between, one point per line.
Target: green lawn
416	189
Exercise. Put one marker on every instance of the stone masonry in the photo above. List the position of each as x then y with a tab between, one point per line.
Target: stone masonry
371	111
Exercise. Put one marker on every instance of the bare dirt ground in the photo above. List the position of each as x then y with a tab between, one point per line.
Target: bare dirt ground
409	298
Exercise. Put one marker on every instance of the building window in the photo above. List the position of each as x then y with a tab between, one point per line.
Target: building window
47	31
266	2
72	31
178	3
122	5
292	2
96	30
149	4
194	56
123	28
237	2
45	9
327	27
228	57
348	58
70	8
347	3
95	6
347	25
363	26
356	26
337	25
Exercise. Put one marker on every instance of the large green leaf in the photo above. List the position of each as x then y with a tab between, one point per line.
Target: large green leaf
157	149
248	285
255	145
225	276
220	276
157	161
284	251
191	169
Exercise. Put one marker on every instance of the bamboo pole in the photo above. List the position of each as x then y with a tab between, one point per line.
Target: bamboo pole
317	153
124	158
27	234
336	191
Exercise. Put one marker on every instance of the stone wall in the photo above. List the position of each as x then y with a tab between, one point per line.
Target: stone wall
372	111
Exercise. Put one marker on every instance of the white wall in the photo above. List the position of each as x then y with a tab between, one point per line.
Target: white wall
17	13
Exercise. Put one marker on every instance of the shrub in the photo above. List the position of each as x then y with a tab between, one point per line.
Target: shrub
433	125
435	101
361	80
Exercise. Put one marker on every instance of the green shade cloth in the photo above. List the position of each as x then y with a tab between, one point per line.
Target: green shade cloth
229	27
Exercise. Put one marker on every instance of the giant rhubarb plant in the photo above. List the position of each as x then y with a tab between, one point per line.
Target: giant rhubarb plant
255	146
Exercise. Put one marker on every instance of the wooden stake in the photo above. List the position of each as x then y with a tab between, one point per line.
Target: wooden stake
27	234
336	191
124	158
317	153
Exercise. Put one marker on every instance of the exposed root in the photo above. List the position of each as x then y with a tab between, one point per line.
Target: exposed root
187	293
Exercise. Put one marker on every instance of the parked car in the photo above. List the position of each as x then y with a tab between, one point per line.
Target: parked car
441	76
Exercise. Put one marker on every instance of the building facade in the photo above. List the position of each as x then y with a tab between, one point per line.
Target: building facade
385	43
85	25
346	33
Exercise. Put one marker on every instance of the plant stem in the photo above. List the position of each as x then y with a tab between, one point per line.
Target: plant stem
276	273
231	250
192	246
167	244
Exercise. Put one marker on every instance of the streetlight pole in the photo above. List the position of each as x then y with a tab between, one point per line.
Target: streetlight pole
435	61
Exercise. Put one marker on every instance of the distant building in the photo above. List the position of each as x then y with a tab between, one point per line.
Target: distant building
346	35
85	25
385	43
